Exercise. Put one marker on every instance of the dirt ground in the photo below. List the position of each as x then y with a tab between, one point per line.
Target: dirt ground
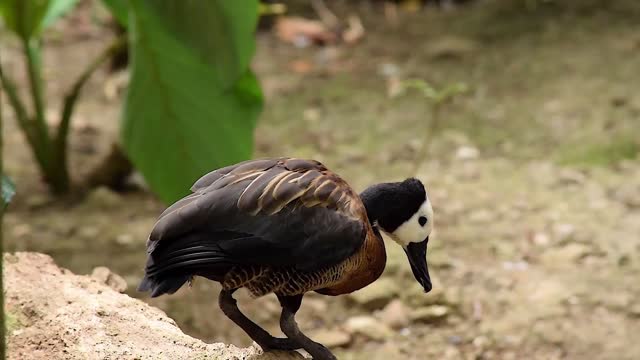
534	176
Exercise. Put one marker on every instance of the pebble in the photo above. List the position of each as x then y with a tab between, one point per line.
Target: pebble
467	153
395	315
368	327
430	314
573	252
629	195
331	338
376	295
103	197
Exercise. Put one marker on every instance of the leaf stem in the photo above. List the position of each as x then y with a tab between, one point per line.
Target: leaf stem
2	315
34	67
25	123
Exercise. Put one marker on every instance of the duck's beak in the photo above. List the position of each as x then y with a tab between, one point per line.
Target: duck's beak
417	254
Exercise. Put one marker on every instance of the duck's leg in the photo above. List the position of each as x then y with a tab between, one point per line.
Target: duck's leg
266	341
290	305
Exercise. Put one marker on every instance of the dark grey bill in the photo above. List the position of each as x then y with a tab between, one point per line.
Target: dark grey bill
417	254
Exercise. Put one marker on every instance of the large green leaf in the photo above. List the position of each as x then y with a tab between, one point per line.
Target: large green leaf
24	17
181	117
7	190
219	31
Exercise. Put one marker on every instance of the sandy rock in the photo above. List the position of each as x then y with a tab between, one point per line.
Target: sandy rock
430	314
331	338
66	316
369	327
395	315
376	295
109	278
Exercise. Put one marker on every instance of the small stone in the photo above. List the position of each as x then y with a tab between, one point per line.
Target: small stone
35	200
573	252
482	216
395	315
109	278
430	314
451	47
125	239
376	295
564	232
368	327
103	197
634	310
88	232
467	153
629	195
388	69
541	239
318	306
415	297
331	338
481	342
570	177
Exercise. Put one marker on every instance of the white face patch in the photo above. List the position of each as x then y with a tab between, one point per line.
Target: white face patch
411	230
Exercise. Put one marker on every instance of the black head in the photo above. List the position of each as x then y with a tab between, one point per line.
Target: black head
404	212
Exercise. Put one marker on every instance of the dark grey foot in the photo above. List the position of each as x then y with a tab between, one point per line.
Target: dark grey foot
290	305
267	342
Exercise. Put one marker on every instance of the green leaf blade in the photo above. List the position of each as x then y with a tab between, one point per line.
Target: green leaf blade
57	9
24	17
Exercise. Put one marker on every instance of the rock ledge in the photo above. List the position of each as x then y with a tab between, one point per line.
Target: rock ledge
54	314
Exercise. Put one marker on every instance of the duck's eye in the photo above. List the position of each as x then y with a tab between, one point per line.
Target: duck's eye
422	220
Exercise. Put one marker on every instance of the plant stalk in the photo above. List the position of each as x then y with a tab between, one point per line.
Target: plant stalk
26	124
70	100
34	66
3	343
432	130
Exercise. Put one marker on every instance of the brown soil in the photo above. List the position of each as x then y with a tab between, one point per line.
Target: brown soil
534	174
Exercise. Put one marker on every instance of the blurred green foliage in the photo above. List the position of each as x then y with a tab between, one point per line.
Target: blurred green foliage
601	154
7	191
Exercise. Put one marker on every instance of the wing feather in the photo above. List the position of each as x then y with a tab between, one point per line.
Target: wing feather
284	212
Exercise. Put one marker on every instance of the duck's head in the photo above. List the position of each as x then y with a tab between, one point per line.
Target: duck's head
403	211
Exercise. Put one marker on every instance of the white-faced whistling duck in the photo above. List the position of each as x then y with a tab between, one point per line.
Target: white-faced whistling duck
285	226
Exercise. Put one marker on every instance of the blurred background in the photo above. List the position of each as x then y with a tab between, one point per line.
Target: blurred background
521	116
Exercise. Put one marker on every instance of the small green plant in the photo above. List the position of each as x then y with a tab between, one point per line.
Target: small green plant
192	101
437	99
7	190
616	149
27	19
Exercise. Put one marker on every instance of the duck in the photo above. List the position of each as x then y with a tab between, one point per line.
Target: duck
285	226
